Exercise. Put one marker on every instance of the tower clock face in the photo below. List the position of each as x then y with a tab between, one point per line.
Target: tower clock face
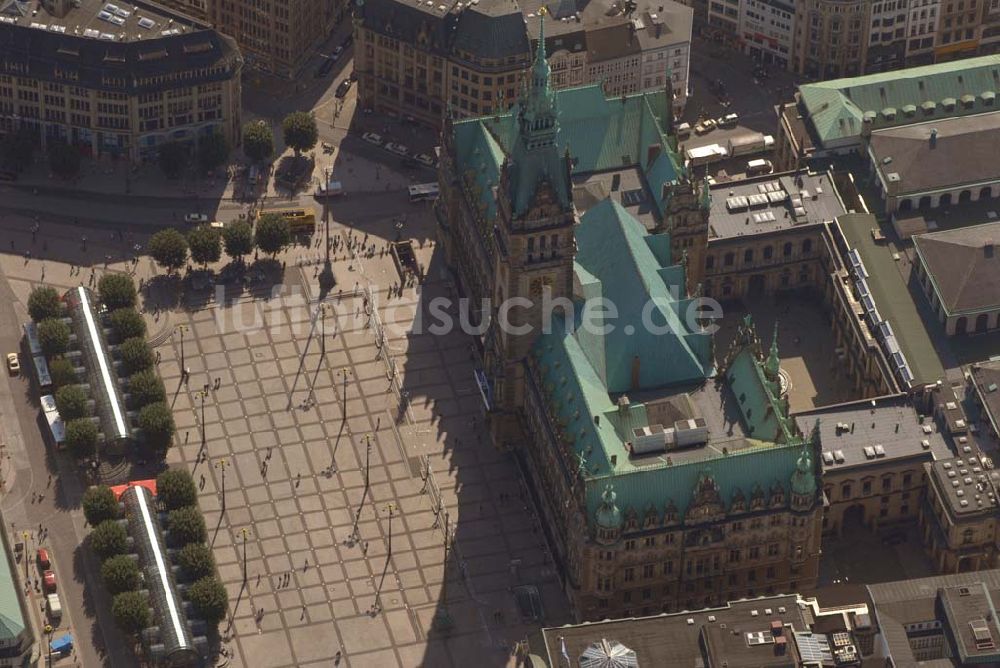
538	285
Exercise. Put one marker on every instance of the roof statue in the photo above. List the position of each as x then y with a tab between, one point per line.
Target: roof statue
804	478
609	516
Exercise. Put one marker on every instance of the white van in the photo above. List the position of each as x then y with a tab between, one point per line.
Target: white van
684	130
759	166
53	608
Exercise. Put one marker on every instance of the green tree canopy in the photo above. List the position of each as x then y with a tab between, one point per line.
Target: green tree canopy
71	401
44	303
206	244
169	249
186	525
108	539
131	611
258	141
173	159
81	437
63	372
53	335
126	323
64	159
120	573
145	387
299	131
99	504
209	598
117	291
157	424
238	239
196	560
213	151
135	355
272	234
175	489
18	147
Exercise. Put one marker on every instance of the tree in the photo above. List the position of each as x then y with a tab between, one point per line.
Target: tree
272	234
299	131
63	372
175	489
238	239
81	437
17	148
206	244
53	335
64	159
71	402
44	303
196	560
258	141
131	611
99	504
209	598
120	574
213	151
108	539
117	291
126	323
145	387
157	424
186	525
169	249
173	159
135	355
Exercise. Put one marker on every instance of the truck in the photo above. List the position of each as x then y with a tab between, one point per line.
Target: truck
53	608
706	154
750	143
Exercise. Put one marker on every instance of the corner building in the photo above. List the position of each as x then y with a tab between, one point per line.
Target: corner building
116	82
668	477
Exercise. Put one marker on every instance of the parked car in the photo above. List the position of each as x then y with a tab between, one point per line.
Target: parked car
13	364
343	88
42	557
195	218
49	582
325	68
729	120
53	608
337	51
426	159
327	147
348	40
398	149
372	138
704	127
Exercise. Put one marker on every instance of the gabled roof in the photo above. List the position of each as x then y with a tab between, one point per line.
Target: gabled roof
837	108
492	29
964	266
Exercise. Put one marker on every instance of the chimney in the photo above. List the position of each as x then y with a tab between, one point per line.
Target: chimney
635	372
652	153
933	137
597	420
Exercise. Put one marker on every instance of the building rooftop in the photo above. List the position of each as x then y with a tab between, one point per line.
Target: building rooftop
966	485
99	19
937	599
13	621
730	634
892	298
938	155
837	109
406	20
492	30
654	22
771	203
972	616
986	378
873	431
964	267
625	186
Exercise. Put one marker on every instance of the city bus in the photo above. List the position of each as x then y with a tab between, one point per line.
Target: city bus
301	220
42	371
31	333
424	192
56	425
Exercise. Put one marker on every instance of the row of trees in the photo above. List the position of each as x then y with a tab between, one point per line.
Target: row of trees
204	244
298	130
187	534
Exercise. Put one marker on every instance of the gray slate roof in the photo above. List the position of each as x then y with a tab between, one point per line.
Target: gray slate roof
492	29
964	265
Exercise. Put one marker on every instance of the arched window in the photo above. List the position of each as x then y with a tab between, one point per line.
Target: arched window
768	252
807	246
787	249
729	259
710	262
748	256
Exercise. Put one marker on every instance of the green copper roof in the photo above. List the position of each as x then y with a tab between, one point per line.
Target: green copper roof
836	108
757	387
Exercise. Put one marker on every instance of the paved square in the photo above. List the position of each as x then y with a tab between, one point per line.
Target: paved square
288	433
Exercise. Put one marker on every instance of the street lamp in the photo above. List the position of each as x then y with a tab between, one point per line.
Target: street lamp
245	533
222	464
364	494
182	329
202	393
344	373
390	507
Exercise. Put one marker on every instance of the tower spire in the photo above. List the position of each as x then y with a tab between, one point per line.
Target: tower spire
540	71
773	363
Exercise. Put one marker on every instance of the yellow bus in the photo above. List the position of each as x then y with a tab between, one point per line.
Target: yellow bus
301	220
